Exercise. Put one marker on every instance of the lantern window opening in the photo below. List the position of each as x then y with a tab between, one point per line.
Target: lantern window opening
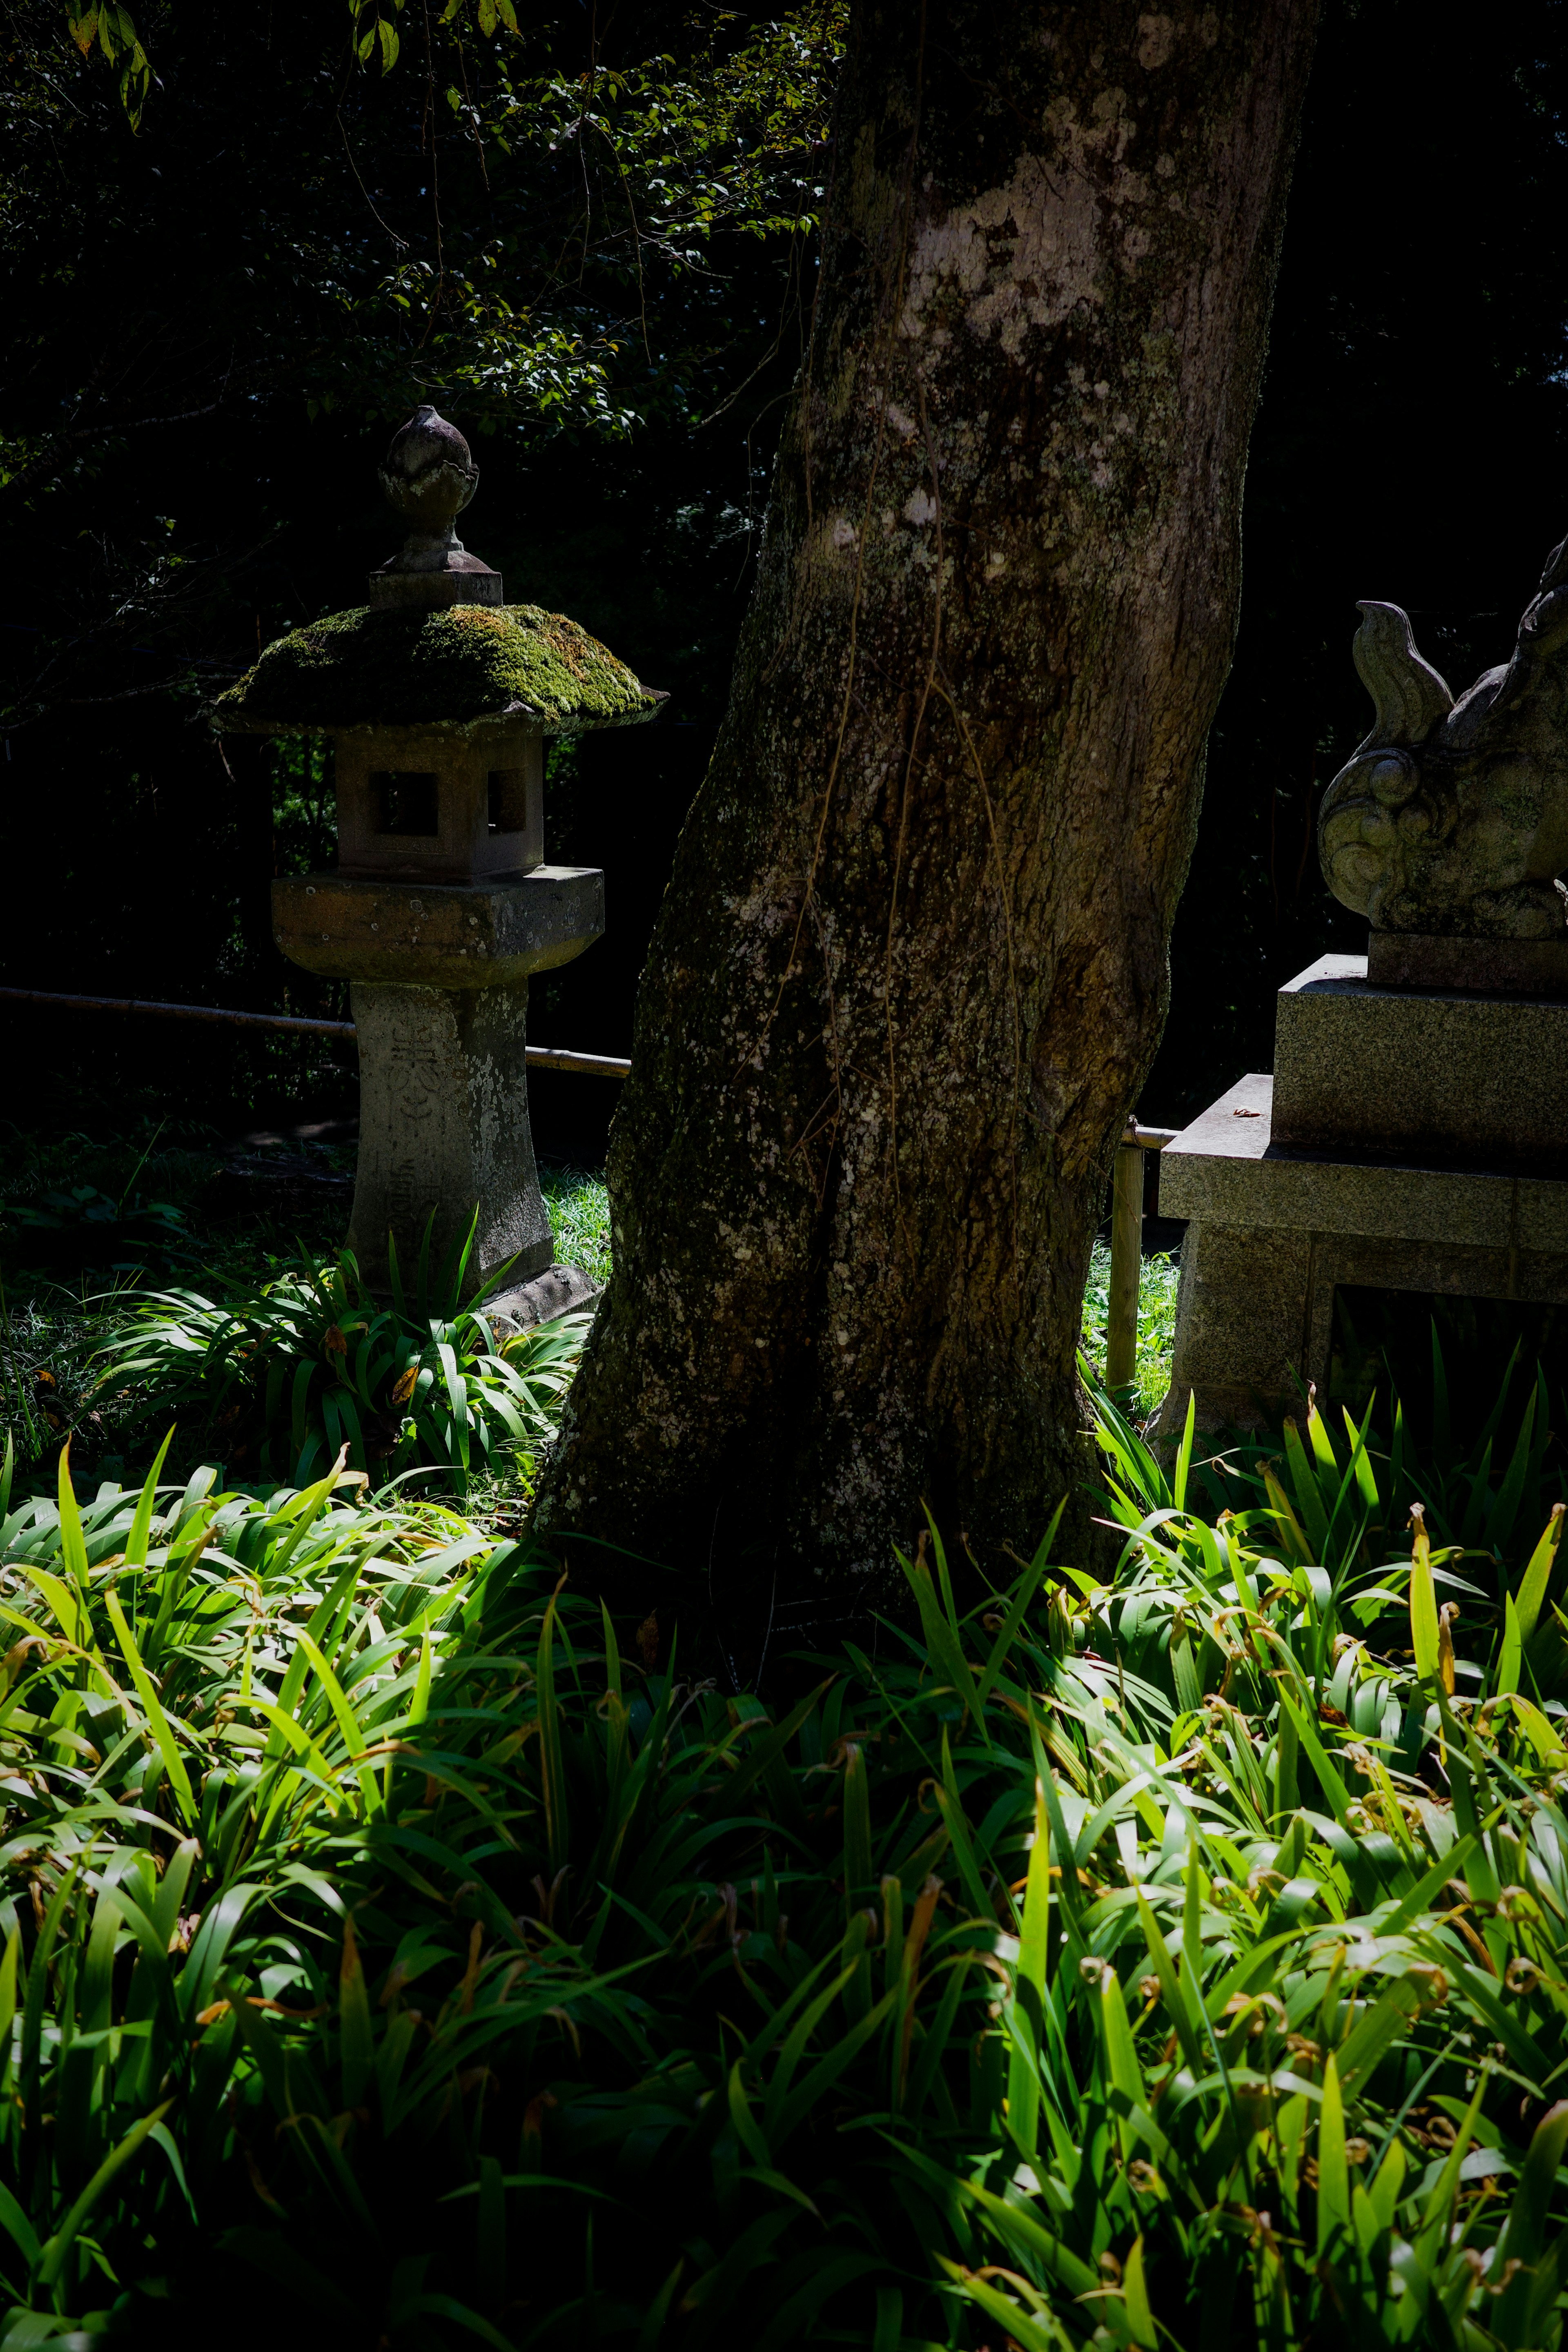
407	801
507	803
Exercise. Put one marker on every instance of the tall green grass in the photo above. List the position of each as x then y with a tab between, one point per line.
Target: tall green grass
280	1377
269	1352
579	1206
399	1952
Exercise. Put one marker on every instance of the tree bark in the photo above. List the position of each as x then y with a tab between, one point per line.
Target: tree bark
912	962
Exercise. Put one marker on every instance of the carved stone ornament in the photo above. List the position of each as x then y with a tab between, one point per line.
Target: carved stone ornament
428	475
1451	819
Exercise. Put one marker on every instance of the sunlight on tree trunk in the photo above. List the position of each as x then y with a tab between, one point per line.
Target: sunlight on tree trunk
913	963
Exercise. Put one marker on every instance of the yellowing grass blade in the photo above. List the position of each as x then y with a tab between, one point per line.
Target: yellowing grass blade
1538	1573
1423	1600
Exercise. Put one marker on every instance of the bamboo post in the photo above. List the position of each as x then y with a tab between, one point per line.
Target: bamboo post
1126	1250
1126	1261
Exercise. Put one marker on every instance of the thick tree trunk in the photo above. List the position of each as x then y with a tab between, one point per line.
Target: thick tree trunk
913	963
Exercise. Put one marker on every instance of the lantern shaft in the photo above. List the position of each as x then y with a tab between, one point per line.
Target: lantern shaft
444	1132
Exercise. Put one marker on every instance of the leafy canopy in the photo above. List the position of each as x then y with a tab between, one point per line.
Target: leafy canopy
509	223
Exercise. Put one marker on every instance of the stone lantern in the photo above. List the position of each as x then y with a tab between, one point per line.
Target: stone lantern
438	698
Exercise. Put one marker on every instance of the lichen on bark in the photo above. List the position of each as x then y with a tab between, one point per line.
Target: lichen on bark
913	963
411	670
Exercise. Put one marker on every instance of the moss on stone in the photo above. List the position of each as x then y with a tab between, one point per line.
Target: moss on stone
415	669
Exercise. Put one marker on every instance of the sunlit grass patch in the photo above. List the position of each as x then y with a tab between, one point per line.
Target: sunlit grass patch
1159	1280
579	1208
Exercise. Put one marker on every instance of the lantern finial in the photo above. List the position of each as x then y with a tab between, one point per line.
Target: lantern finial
429	477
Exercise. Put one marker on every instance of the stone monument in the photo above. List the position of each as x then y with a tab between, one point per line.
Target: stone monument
1413	1136
438	698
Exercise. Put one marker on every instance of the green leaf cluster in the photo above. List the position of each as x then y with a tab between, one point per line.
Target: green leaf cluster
397	1946
519	225
105	26
312	1364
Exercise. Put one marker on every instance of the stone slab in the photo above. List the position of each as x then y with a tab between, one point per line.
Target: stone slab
1275	1231
1433	960
478	935
1255	1317
1243	1318
429	591
559	1290
1457	1079
1225	1167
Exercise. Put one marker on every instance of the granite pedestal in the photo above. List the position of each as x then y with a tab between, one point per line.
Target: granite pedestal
1413	1140
1452	1077
439	998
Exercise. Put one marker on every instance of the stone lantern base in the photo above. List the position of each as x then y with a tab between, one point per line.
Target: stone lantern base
440	996
443	1121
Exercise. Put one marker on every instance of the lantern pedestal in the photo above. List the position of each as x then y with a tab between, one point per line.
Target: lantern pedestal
444	1129
487	934
440	996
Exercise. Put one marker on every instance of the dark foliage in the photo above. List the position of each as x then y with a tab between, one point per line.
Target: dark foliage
1409	446
396	1952
203	365
1413	404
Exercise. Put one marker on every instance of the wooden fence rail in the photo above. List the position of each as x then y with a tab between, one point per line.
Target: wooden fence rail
539	1057
1127	1193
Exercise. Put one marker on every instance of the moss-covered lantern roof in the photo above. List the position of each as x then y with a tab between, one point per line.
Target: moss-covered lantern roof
467	663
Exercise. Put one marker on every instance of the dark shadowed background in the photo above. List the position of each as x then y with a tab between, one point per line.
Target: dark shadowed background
1409	447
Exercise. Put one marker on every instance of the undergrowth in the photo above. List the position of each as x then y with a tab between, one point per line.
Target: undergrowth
121	1307
401	1953
121	1301
283	1376
579	1208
